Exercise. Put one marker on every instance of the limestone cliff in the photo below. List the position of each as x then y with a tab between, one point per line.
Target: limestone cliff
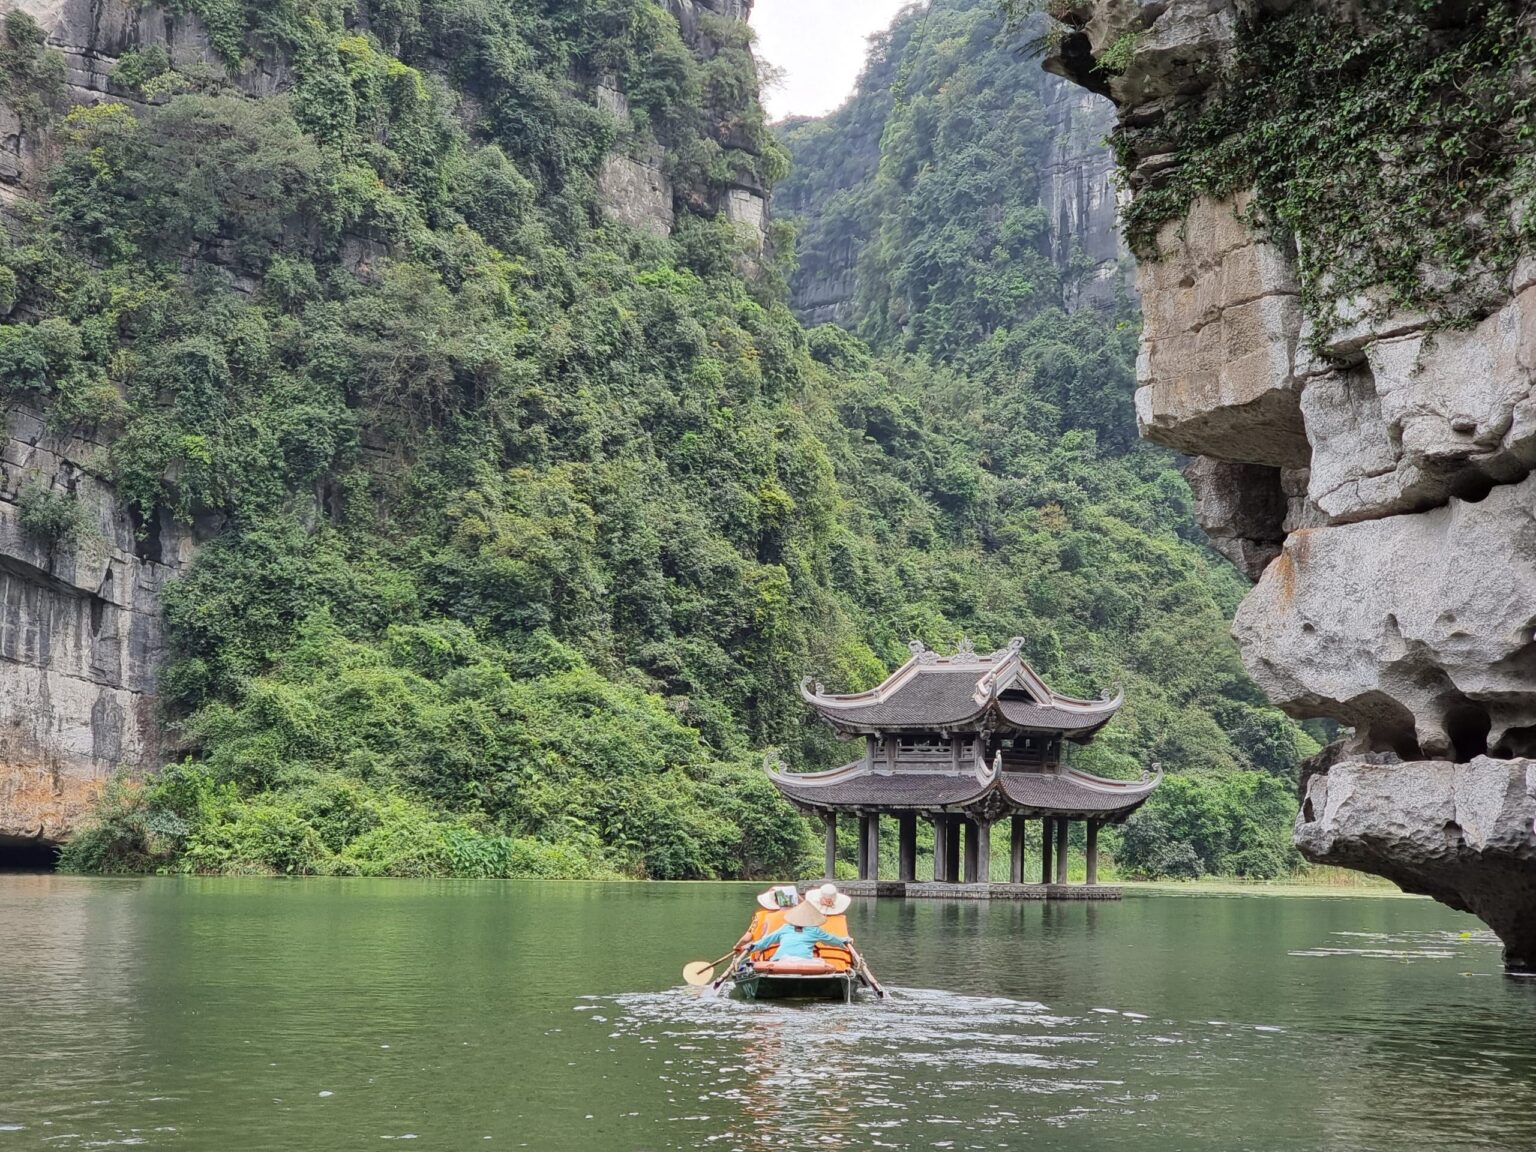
634	183
948	111
1365	462
80	634
80	627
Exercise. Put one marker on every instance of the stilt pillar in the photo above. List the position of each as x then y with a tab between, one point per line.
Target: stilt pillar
1093	852
1062	824
952	850
830	819
906	842
1017	831
869	846
1045	849
940	847
982	830
971	844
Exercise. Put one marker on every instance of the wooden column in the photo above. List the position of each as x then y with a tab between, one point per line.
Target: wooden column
1061	849
1045	850
940	846
970	851
830	818
1093	852
906	842
1017	832
869	846
983	833
952	850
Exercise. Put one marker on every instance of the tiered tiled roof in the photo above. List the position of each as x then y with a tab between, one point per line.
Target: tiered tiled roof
959	693
935	701
1066	792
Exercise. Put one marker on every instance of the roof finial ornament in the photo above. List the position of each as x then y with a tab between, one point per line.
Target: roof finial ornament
1015	646
965	653
920	652
810	685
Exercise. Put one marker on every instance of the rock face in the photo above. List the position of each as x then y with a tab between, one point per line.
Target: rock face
80	626
1374	480
1458	832
1077	192
80	634
1416	630
1077	197
633	185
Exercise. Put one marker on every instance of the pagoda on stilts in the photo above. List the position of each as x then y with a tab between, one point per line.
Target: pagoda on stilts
965	741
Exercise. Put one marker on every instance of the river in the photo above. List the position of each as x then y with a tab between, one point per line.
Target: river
331	1015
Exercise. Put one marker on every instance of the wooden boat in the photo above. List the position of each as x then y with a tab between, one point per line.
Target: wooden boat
793	980
831	976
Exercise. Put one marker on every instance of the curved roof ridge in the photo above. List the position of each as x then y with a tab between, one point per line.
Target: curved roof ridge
1147	781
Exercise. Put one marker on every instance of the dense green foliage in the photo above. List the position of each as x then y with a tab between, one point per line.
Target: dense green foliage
928	182
522	526
1229	825
1401	142
932	175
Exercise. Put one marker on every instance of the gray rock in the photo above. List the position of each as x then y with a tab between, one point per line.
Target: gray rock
80	636
1403	602
1462	833
1242	508
1420	418
1417	630
1222	316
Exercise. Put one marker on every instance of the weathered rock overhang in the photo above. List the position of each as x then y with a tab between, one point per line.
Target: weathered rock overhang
1374	479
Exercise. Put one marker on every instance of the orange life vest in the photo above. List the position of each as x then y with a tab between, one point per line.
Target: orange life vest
765	921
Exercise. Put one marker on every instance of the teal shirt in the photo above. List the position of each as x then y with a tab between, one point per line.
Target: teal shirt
796	943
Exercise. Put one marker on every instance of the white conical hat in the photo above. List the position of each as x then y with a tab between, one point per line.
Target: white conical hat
829	900
779	897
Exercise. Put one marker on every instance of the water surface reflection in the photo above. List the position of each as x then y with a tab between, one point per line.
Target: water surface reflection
333	1015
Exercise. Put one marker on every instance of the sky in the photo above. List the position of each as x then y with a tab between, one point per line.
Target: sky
819	44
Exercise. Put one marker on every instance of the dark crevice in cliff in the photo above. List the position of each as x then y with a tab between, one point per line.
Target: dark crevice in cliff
25	854
146	536
1467	725
1515	744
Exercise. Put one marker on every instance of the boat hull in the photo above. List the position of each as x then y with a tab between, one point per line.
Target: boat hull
842	987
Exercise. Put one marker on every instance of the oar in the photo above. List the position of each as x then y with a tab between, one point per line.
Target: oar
726	975
701	972
864	971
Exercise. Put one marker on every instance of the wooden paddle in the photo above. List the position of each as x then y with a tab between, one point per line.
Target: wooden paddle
701	972
864	971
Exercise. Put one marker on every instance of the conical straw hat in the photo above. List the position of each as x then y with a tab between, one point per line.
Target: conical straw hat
805	915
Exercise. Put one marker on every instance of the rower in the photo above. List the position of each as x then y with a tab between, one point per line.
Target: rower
797	938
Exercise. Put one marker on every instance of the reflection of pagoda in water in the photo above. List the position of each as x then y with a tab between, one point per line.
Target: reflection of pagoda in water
965	741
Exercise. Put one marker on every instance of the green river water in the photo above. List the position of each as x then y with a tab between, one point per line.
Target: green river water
332	1015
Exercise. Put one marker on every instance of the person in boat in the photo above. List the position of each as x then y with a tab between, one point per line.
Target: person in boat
779	897
829	900
797	938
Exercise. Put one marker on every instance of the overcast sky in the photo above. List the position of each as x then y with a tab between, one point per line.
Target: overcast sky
819	44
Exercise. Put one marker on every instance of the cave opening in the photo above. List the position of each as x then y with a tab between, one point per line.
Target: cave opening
1515	744
27	854
1472	487
1467	725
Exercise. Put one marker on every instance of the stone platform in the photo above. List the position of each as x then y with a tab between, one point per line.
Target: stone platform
928	890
